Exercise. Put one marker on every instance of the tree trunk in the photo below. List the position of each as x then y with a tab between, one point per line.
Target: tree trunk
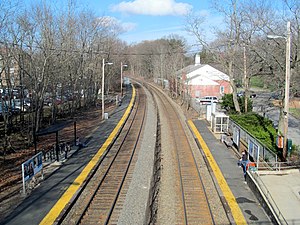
234	89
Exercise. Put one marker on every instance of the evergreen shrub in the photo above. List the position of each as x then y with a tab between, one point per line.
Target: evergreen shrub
259	127
227	103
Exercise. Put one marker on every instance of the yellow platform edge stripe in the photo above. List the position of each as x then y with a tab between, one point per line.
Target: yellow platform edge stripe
73	188
234	207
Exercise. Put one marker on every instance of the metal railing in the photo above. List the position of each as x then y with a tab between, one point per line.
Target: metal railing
200	109
50	154
278	216
265	154
278	166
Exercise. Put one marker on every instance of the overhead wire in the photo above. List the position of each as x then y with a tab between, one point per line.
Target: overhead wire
102	52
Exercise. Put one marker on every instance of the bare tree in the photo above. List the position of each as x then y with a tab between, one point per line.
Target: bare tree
7	65
293	15
224	49
158	59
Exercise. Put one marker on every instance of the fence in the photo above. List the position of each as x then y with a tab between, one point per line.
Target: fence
261	153
50	155
200	109
257	149
278	166
268	158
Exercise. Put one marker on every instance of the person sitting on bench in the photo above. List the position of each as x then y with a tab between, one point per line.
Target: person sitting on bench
79	143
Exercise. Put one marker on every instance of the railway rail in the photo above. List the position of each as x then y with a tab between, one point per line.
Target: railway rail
114	188
100	199
193	206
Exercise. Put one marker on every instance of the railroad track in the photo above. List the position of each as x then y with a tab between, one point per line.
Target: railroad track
100	199
193	206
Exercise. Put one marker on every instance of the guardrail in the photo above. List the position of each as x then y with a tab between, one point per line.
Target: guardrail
278	166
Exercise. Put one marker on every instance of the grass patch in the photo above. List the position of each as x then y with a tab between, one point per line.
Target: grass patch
295	112
256	82
259	127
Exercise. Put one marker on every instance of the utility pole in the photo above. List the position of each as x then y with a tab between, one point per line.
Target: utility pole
122	65
287	85
103	65
245	81
287	89
121	80
102	100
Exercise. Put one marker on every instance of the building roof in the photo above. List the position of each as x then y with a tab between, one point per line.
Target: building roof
188	69
203	70
200	80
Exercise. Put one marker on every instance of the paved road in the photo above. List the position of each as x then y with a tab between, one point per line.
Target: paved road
262	105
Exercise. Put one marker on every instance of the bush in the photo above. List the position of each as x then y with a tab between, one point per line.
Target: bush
227	103
242	104
259	127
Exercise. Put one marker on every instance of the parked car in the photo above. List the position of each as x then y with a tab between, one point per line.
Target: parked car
242	93
5	108
48	101
18	106
60	100
275	96
28	102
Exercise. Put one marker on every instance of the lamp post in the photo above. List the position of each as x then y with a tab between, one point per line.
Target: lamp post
122	65
245	80
103	65
287	83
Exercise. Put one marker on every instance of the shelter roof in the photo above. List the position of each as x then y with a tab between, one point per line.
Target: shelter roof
53	128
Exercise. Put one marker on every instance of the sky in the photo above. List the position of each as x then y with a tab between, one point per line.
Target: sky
150	19
153	19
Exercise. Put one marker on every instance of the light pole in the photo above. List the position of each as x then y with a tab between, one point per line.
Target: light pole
287	83
103	65
245	80
125	65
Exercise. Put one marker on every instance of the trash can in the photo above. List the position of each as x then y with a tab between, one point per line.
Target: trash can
289	146
105	116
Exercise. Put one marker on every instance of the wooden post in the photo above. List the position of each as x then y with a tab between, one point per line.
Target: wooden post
75	133
57	156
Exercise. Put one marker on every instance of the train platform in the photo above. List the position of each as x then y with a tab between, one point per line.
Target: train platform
283	188
61	175
243	204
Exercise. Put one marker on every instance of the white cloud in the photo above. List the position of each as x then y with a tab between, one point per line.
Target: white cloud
153	7
108	21
129	26
204	13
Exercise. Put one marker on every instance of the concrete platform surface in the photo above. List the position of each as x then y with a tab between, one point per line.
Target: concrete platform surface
281	188
284	188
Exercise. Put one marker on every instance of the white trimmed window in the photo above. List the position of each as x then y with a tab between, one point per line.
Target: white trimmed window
222	89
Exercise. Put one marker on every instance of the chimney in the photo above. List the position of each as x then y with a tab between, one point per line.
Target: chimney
197	59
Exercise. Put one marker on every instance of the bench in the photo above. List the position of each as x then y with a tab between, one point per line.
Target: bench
49	152
227	141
